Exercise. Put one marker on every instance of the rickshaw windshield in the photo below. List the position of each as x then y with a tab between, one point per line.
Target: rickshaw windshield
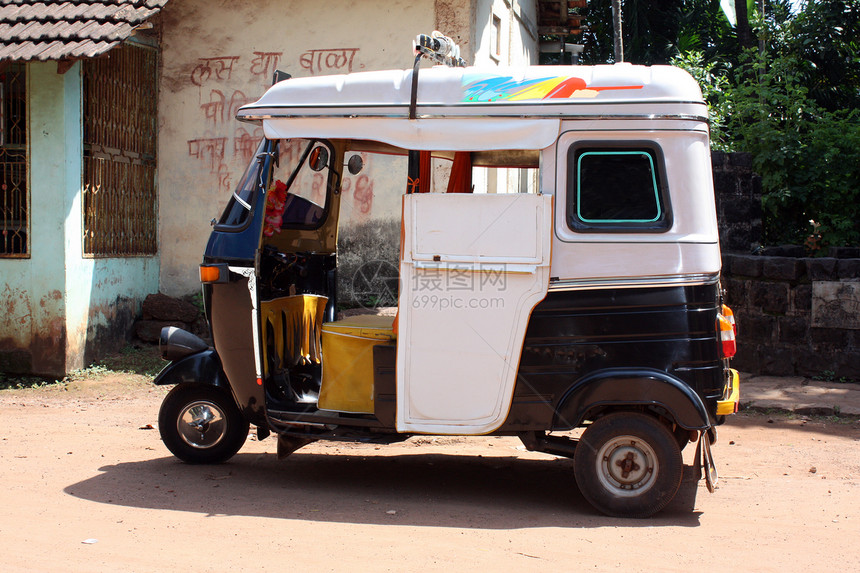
241	203
299	183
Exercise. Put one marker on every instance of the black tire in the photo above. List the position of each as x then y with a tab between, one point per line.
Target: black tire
201	424
628	464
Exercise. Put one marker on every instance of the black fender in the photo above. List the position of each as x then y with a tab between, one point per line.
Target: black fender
202	367
631	387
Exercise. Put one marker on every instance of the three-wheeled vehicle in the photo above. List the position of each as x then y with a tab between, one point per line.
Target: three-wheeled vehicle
586	295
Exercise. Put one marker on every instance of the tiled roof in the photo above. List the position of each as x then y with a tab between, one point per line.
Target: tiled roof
55	30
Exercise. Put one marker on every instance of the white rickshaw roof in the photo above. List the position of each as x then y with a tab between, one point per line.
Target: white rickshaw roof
472	108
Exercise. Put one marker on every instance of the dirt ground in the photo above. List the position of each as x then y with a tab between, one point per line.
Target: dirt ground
88	486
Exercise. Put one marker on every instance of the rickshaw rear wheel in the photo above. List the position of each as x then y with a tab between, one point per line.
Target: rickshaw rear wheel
201	424
628	464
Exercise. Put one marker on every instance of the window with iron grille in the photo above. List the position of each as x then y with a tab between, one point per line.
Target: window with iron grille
119	191
14	196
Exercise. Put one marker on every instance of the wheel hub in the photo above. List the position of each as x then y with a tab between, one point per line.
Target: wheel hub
201	424
627	466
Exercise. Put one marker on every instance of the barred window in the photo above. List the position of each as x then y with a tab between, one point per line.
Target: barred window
14	195
120	202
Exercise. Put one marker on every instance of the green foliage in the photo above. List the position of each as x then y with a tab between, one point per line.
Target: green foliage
197	300
714	86
824	39
654	32
808	157
795	108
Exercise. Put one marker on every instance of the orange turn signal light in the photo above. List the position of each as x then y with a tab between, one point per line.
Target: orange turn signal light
214	273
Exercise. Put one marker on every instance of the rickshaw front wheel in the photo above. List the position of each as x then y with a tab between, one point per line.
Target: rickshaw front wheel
201	424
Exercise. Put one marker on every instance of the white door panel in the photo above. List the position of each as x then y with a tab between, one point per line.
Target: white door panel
446	230
473	268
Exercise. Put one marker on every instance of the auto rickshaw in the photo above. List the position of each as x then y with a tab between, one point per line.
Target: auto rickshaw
585	295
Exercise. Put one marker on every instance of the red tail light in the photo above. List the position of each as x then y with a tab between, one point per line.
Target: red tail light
728	331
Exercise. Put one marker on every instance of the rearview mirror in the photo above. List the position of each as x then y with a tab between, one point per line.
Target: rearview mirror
319	158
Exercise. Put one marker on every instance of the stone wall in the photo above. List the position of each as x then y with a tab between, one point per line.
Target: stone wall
796	315
738	197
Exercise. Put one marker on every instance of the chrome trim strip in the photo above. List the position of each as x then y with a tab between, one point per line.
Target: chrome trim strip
634	282
499	106
562	116
580	117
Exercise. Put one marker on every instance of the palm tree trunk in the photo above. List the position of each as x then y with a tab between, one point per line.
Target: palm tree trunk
745	38
616	21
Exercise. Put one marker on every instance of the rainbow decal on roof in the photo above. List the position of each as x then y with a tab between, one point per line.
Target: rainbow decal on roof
486	88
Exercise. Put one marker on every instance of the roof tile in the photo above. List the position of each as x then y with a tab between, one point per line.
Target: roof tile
57	29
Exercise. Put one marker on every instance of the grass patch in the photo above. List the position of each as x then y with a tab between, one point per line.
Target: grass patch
20	381
142	360
133	359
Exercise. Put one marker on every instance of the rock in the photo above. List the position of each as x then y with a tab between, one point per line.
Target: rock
162	307
200	327
150	330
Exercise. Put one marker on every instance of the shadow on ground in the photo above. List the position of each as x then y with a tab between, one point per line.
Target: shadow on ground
418	490
842	426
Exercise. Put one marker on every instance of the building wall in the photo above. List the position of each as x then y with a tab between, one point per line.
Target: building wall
32	326
215	60
61	310
516	25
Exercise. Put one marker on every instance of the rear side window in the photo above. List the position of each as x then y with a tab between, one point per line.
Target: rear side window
617	189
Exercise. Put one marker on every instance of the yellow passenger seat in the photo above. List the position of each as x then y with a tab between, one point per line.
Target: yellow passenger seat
347	357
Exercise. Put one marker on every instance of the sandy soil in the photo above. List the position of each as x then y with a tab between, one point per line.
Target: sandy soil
88	486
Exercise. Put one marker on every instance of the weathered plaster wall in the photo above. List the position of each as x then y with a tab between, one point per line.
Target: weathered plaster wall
218	57
57	305
102	295
215	60
457	20
107	299
32	327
